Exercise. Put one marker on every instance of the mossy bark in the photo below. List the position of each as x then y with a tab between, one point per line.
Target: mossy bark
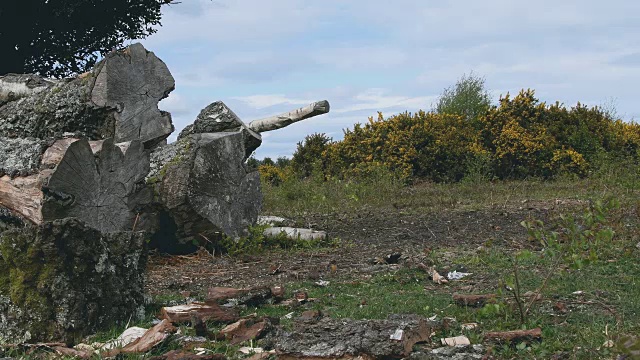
63	280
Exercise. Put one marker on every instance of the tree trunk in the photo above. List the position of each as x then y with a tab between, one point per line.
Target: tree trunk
118	98
288	118
98	182
205	189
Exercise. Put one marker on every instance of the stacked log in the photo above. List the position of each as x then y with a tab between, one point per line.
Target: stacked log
85	161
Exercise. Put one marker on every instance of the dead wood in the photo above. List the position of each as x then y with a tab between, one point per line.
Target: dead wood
98	182
515	335
279	121
117	99
204	312
346	338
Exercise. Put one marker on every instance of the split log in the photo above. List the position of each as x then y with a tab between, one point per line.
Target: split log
205	312
244	329
184	355
117	99
279	121
473	300
344	338
218	117
98	182
295	233
204	190
515	335
148	341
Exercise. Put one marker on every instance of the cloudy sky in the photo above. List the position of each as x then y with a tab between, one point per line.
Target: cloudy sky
266	57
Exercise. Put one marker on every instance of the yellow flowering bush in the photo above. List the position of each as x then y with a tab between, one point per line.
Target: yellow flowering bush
273	174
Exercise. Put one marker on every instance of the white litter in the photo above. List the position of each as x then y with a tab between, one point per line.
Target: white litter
454	275
397	335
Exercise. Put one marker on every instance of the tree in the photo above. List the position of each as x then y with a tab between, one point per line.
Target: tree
309	152
467	98
64	37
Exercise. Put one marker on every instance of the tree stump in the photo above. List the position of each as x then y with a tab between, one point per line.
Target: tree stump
98	182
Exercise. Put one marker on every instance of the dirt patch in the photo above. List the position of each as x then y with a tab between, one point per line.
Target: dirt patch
364	236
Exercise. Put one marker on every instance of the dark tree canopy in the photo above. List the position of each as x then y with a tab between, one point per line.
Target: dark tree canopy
63	37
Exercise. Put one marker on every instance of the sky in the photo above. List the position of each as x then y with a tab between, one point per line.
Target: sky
263	58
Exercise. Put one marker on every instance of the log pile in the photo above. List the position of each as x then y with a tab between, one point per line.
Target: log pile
90	153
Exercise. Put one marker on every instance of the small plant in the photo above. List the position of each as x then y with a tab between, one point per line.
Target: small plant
579	240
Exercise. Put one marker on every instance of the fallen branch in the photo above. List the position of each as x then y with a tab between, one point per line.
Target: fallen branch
515	335
279	121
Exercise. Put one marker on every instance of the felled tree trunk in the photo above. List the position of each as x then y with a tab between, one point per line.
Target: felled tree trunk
279	121
117	99
204	190
98	182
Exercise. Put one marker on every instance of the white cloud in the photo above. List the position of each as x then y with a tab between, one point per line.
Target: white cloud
264	101
376	99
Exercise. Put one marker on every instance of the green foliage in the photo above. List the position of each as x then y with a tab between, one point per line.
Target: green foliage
309	153
467	98
579	240
67	37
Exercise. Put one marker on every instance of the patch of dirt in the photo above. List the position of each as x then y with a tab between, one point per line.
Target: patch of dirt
364	236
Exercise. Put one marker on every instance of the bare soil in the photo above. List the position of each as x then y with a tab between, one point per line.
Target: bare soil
364	236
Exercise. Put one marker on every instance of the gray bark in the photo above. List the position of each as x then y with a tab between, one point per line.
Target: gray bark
279	121
218	117
118	98
203	184
63	280
346	338
98	182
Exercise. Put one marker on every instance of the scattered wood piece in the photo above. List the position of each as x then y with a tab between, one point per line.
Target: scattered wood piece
471	300
515	335
148	341
80	354
469	326
295	233
243	330
183	355
277	292
205	312
310	315
218	294
127	337
436	277
454	341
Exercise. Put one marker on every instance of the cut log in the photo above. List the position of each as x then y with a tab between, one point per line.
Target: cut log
288	118
473	300
98	182
206	312
205	189
218	117
118	98
295	233
148	341
248	297
63	280
344	338
515	335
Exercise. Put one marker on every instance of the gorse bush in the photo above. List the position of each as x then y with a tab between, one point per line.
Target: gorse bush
519	138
